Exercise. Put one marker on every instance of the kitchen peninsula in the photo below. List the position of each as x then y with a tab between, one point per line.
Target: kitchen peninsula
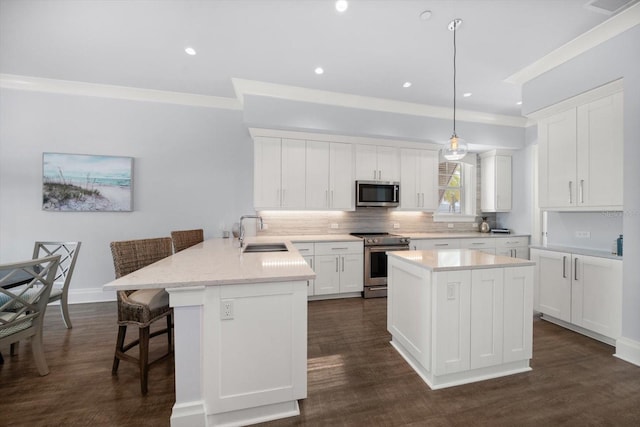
240	330
459	316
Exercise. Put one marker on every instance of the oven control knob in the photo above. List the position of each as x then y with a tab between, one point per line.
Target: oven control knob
375	240
369	240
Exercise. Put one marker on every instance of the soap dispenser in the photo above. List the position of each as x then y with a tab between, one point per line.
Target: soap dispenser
619	245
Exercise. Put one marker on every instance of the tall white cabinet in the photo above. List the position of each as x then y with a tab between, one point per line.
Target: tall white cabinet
580	156
418	179
495	194
377	163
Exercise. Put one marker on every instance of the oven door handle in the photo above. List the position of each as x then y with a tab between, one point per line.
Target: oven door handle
388	248
377	288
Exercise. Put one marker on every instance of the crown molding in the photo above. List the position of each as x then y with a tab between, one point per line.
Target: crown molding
610	28
39	84
294	93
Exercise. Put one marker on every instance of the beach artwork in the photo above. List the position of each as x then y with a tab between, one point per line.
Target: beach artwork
84	183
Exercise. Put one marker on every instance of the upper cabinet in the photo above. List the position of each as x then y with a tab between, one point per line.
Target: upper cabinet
418	179
278	166
495	194
329	175
377	163
580	156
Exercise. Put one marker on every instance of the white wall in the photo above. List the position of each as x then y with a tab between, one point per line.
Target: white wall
193	168
616	58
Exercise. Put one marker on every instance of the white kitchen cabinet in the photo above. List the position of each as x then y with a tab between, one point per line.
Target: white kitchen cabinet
307	252
339	267
495	193
377	163
279	171
580	290
514	247
418	179
429	244
329	176
580	156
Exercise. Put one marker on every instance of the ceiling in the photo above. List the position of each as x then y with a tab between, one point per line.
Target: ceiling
369	50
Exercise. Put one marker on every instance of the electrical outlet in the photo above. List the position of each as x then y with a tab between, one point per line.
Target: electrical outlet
396	225
583	234
335	225
451	291
450	225
226	309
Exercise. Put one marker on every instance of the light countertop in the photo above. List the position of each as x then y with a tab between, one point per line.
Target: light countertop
458	259
219	262
460	235
578	251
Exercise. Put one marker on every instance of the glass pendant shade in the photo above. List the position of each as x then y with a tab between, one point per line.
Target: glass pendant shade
456	150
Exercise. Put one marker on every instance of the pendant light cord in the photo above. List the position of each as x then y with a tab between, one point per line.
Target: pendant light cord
455	29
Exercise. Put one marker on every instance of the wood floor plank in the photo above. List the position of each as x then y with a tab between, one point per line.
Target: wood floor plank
354	377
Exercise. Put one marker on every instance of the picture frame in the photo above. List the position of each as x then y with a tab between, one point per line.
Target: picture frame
87	183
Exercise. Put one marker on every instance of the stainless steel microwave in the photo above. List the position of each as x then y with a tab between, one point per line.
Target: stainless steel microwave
377	194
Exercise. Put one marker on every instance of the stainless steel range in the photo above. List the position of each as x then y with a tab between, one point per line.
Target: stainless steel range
376	246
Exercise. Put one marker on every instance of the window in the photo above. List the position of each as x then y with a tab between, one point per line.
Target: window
456	191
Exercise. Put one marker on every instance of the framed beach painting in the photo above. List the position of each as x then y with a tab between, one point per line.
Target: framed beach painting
86	183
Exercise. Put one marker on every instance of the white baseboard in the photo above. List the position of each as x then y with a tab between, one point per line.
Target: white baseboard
628	350
82	296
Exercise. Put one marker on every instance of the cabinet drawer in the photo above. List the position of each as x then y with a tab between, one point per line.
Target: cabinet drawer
304	248
511	242
332	248
481	243
429	244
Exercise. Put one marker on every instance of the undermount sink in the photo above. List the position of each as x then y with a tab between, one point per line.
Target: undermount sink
266	247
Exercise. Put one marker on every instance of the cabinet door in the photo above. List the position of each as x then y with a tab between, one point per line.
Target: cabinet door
453	334
341	181
351	273
366	162
310	283
518	309
596	294
554	283
317	175
600	153
487	289
293	174
388	163
487	183
410	197
503	183
327	270
557	160
267	167
427	179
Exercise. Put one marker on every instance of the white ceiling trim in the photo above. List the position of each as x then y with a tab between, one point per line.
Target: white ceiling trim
294	93
610	28
12	81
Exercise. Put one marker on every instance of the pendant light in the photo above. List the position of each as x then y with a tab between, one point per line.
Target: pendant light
457	148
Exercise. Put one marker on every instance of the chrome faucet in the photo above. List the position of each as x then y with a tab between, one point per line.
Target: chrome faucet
242	226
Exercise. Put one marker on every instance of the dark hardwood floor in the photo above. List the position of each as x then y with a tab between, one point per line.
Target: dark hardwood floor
355	378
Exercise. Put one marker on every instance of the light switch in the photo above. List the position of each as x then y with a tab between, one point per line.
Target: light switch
451	291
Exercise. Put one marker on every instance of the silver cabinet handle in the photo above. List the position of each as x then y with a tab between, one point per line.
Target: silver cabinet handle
339	249
564	267
441	244
379	174
375	174
570	192
417	199
575	269
311	263
336	264
582	191
478	243
342	258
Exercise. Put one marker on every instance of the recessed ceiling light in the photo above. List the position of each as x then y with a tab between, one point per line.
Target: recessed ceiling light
425	16
342	5
319	70
467	94
519	103
190	51
406	84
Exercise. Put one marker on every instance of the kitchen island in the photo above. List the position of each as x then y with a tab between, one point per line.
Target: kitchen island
240	330
459	316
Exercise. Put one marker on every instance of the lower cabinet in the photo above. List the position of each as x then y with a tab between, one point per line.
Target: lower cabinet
580	290
484	317
339	266
515	247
